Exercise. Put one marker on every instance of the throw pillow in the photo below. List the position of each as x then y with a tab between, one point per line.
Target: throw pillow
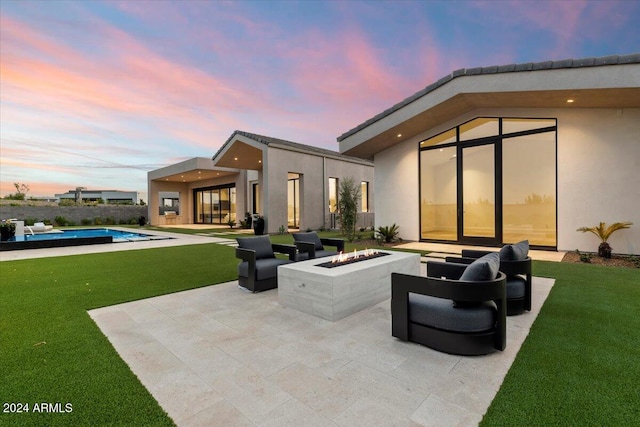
515	252
482	269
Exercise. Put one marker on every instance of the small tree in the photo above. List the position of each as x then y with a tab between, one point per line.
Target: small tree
604	232
21	192
348	207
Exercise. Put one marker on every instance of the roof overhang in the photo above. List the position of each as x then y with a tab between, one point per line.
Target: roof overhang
611	86
240	152
192	170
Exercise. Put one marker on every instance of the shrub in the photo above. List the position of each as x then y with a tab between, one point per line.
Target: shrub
348	207
388	234
85	221
30	221
584	256
110	220
67	202
60	220
97	221
231	223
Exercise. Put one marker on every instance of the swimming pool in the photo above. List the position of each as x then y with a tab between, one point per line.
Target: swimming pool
76	237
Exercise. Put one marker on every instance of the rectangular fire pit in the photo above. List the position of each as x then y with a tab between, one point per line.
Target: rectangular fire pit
335	293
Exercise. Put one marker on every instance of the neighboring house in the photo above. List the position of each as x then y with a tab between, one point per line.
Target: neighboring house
292	185
497	154
106	196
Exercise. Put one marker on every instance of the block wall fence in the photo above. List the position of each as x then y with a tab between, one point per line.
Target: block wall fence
74	214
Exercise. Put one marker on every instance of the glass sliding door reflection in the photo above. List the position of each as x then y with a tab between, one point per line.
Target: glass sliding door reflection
225	206
293	201
529	189
478	195
438	194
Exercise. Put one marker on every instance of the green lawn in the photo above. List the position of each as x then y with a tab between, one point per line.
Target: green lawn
580	362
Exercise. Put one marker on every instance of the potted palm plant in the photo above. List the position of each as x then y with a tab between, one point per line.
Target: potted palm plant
604	232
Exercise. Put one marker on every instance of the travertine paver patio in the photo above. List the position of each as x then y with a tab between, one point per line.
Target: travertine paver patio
221	356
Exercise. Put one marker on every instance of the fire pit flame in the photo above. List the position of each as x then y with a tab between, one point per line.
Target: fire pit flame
344	257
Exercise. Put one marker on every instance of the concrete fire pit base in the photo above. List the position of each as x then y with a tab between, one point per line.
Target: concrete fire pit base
335	293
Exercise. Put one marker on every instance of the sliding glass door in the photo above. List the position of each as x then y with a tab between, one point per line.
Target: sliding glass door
216	205
478	194
490	181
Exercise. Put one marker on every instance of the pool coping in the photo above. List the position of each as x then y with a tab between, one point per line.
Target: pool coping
167	239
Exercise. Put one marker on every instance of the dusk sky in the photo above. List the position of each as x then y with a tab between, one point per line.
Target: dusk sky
97	93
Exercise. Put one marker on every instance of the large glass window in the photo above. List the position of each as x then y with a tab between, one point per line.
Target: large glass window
256	197
293	200
364	196
478	128
490	181
438	196
333	195
529	189
216	205
478	196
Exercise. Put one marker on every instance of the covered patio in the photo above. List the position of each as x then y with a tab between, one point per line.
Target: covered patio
220	353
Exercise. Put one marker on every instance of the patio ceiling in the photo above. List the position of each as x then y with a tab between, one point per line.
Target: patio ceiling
465	102
195	175
240	155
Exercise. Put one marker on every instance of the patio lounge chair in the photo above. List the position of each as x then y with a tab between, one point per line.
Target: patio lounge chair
457	308
516	265
258	270
311	246
40	227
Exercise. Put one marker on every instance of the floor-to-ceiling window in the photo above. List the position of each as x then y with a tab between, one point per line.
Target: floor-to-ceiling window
255	192
293	200
364	196
215	205
490	181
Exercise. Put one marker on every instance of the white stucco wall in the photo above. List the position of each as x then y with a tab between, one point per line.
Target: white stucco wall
396	188
315	171
598	175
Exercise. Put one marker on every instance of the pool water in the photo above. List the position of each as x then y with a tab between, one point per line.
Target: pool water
118	235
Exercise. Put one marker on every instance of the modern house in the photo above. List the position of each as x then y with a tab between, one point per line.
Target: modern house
493	155
104	196
292	185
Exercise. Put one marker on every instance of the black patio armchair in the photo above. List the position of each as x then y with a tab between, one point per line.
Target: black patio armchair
516	265
258	270
311	246
457	308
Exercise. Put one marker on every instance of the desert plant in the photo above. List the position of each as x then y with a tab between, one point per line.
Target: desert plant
348	207
388	233
281	229
604	232
584	256
231	223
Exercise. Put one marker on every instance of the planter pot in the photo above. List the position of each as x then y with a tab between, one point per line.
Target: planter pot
6	233
258	227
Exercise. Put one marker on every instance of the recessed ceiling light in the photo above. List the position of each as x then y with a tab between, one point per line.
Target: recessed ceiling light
569	101
199	172
259	161
399	135
235	158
